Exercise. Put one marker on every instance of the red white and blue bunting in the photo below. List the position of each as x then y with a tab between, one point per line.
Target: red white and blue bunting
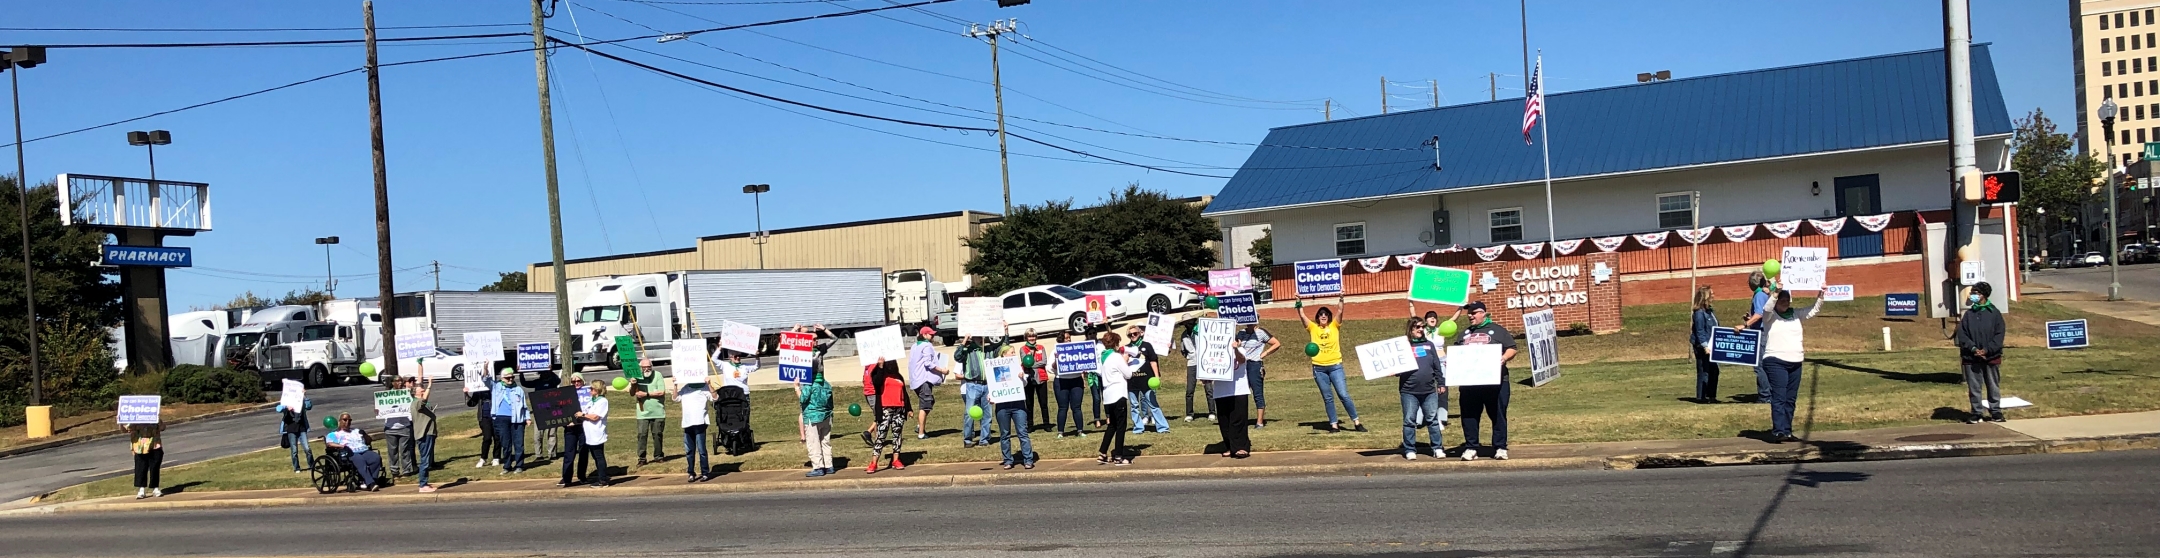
1408	260
1652	240
1695	236
1828	227
1373	265
1873	223
1738	233
1565	247
1490	253
1609	243
1783	229
1528	251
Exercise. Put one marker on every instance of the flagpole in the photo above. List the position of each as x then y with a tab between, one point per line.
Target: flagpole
1545	144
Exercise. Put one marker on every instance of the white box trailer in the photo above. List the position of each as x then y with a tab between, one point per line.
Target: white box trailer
521	317
682	304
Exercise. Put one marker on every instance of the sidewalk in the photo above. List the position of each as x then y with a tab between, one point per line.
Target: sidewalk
2133	310
2050	435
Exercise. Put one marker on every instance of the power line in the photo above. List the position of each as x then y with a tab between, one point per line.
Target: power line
578	148
286	43
251	29
621	142
772	22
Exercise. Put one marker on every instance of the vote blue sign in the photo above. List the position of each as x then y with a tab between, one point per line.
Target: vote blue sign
1318	277
1901	304
1742	347
1240	307
149	256
534	357
1075	358
2067	334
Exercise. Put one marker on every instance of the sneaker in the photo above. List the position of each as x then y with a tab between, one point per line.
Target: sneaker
1028	465
896	465
1500	454
495	462
1438	453
1469	454
140	494
871	469
1360	427
1974	419
641	462
1007	466
966	444
921	436
426	489
1409	455
1188	418
1211	417
815	473
1163	431
1138	431
367	488
1997	417
1062	434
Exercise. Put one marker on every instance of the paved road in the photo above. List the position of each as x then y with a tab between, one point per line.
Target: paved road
2139	282
2041	505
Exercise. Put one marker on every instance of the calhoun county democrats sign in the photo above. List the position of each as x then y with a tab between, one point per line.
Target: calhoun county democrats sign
149	256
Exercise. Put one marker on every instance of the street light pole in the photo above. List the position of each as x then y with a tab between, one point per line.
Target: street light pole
329	278
18	59
757	192
151	140
2114	256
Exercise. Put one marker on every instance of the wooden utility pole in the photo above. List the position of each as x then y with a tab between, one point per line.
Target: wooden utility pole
554	197
1383	94
1327	110
386	283
1435	92
997	88
1492	86
438	274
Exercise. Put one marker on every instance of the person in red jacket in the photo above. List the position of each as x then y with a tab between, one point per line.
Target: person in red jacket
887	390
1038	377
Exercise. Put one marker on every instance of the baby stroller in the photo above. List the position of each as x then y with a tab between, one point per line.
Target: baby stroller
732	417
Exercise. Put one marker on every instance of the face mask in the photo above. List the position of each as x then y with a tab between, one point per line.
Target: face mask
1973	300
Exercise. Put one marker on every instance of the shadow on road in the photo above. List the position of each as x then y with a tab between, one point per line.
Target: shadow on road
1799	475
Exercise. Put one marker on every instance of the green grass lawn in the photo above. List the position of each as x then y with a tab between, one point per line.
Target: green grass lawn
1624	386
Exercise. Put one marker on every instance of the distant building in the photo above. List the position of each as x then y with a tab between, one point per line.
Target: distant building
2114	56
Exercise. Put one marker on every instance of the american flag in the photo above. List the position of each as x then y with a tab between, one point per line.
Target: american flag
1533	100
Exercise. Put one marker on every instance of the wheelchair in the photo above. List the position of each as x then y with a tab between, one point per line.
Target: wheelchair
334	471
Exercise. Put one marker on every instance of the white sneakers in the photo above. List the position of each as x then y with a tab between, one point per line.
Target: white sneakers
1469	454
157	492
481	464
1410	455
1500	453
1438	453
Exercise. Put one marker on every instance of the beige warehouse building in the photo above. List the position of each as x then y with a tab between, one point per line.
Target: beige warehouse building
934	242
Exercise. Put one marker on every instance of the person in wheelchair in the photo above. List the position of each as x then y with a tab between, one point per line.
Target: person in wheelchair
351	444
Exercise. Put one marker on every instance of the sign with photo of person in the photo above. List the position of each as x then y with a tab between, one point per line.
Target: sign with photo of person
1008	383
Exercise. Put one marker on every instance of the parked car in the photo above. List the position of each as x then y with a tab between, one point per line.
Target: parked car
1196	286
2134	253
1046	308
2092	259
445	365
1139	294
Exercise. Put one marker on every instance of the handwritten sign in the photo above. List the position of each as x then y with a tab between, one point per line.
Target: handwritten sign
1837	293
1008	383
293	395
797	355
554	408
1473	365
879	344
1074	359
2067	334
738	337
416	344
1318	277
1240	308
981	316
690	364
1802	268
1543	334
1224	281
396	403
1440	285
626	353
1217	357
477	373
1098	309
1742	348
1388	357
139	409
1159	330
483	343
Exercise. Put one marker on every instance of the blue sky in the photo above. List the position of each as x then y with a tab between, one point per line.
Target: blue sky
650	163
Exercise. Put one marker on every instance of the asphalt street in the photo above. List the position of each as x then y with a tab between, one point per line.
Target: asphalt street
2096	504
2139	281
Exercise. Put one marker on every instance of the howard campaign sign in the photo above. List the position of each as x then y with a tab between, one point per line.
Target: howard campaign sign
1901	304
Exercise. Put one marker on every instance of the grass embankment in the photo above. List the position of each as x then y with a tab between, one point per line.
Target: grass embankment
1623	386
93	423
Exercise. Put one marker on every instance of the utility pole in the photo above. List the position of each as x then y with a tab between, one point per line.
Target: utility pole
1492	86
1435	92
385	282
554	197
990	33
19	59
438	274
1383	94
1327	110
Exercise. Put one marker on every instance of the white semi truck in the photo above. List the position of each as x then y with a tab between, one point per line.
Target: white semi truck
656	308
520	317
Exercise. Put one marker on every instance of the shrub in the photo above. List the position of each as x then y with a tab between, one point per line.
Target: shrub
77	369
188	383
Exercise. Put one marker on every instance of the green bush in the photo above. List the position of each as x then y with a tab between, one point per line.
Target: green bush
77	370
188	383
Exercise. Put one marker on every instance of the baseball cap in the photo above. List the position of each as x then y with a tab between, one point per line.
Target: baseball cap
1478	306
926	331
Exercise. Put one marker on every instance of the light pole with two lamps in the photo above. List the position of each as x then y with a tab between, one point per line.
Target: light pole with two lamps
329	280
756	192
151	140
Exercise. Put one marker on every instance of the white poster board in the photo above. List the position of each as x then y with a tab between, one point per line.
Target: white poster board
1160	329
415	344
395	403
1473	365
879	344
981	316
1384	358
1837	293
1801	268
138	409
1543	334
293	395
487	344
737	336
1217	356
1008	383
690	366
478	369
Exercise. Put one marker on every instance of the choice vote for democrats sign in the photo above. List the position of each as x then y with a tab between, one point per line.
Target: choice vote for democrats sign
1318	277
1078	357
1239	307
149	256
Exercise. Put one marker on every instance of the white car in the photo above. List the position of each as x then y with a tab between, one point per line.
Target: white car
442	366
1047	308
2094	258
1140	294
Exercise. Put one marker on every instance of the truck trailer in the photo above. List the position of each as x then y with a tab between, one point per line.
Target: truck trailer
656	308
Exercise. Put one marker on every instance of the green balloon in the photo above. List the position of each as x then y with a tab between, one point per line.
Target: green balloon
367	369
854	409
1448	328
1770	268
1027	361
1154	383
621	383
1211	302
975	411
330	423
1312	349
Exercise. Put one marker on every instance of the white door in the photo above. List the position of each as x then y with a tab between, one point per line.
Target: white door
1019	316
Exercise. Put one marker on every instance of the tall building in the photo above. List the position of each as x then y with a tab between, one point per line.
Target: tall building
2116	57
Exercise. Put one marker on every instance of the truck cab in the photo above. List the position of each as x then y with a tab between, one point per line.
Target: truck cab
325	352
243	345
641	306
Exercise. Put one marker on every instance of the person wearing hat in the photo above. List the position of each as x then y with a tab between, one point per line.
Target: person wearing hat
573	436
1489	401
1980	349
1325	329
511	414
926	371
975	389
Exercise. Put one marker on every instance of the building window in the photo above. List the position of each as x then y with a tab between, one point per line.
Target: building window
2118	20
1676	211
2103	45
1350	239
2141	136
1506	224
2106	69
2148	17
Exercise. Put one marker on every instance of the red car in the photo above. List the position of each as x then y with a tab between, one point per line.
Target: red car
1196	286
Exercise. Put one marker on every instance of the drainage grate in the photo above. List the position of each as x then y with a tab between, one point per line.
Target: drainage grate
1935	438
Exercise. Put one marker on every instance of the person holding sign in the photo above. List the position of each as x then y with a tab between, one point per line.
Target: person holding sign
1035	360
423	417
1783	351
147	442
1980	349
1489	401
573	437
1071	389
815	399
293	433
1254	344
483	404
511	414
1011	412
696	400
974	389
651	416
1230	401
399	432
1116	368
592	421
364	459
1145	408
1327	370
887	390
1705	322
1764	290
927	370
1424	394
1189	347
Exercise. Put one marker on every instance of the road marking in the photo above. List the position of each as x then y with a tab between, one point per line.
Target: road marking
1725	547
597	520
1702	548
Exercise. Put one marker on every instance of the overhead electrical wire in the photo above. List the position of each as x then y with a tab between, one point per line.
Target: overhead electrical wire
287	43
577	148
636	179
772	22
255	29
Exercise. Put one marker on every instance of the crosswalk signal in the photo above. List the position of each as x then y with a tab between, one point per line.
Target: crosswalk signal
2000	187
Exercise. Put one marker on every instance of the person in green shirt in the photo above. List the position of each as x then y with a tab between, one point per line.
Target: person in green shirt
651	416
975	389
816	402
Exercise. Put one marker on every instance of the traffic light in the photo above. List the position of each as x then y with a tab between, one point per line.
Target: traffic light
1999	187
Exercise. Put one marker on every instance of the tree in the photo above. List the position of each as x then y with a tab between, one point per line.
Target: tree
510	282
1136	231
303	297
76	301
1031	246
245	300
1263	255
2055	174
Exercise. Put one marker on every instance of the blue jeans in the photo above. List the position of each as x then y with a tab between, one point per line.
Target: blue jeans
1423	411
1258	380
1333	385
693	447
1146	407
1014	423
1762	383
299	446
974	395
1070	392
1784	393
368	465
426	445
511	435
1097	391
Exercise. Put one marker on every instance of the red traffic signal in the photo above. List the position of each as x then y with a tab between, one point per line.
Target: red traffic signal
2000	187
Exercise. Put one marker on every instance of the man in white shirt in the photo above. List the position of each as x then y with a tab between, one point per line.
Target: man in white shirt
592	415
696	402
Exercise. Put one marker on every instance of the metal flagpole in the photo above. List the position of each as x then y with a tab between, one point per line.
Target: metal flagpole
1545	144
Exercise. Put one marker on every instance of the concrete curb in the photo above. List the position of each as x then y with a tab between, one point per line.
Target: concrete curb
1815	454
42	446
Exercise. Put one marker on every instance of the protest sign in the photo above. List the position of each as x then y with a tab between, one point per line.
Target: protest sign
1743	347
294	394
534	357
626	352
1008	383
796	354
1473	365
1801	268
1076	358
1225	281
554	408
1098	309
1543	334
1901	304
738	337
690	364
1217	357
139	409
478	370
1389	357
1440	285
981	316
1837	293
2067	334
1160	329
483	343
395	403
879	344
1240	308
416	344
1318	277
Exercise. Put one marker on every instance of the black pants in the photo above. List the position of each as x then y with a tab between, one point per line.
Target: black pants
1491	401
1231	412
1038	395
1192	382
490	448
599	459
573	453
146	468
1705	376
1114	437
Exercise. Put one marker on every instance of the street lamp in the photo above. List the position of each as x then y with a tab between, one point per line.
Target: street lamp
756	192
151	140
21	58
329	280
2114	256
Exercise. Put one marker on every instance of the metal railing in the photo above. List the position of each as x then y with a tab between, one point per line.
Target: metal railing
107	201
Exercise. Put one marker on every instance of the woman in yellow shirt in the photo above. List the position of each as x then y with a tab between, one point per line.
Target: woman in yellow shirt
1326	333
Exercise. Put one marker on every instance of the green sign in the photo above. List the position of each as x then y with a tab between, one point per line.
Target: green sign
396	403
2152	151
1443	285
626	349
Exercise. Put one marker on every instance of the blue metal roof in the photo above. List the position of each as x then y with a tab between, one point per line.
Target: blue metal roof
1878	101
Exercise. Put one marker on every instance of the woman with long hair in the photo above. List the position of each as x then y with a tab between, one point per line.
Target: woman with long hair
1116	368
1706	372
1327	369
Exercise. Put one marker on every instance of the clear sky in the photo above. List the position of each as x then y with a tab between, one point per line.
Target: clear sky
649	163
